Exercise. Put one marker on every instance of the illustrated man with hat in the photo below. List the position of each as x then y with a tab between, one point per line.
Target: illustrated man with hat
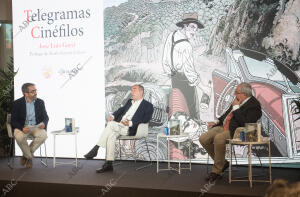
178	62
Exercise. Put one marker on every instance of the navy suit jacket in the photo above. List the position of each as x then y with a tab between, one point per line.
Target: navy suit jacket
142	115
249	112
18	113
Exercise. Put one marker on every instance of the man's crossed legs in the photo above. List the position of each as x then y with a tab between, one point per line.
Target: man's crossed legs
39	137
108	140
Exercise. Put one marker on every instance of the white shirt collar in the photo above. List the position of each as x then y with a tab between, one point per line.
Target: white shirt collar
245	101
138	101
28	102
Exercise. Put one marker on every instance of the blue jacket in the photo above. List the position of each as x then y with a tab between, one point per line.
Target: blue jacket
18	113
142	115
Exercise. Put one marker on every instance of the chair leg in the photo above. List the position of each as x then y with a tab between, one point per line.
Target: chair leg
45	164
261	165
46	155
148	149
9	157
207	163
235	156
134	149
120	155
257	154
148	165
236	162
120	151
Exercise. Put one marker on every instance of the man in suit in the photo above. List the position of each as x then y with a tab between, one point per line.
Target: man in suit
29	117
124	121
244	109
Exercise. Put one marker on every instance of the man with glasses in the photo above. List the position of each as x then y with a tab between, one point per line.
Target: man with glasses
244	109
178	62
29	117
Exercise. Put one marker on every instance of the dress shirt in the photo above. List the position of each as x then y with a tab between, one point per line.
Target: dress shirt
131	111
235	107
30	113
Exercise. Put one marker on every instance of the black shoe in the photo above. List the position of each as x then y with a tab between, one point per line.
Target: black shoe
105	168
226	165
212	177
93	153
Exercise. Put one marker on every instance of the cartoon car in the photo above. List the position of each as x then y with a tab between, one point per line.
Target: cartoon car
274	84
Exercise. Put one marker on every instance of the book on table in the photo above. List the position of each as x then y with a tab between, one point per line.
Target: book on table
174	126
70	124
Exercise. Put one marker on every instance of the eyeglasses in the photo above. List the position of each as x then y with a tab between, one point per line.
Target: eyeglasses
32	91
236	92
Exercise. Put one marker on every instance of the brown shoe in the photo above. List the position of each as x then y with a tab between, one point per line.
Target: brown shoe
29	163
23	161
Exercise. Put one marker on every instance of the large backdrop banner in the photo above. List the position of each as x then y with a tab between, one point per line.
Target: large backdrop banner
190	71
86	55
58	45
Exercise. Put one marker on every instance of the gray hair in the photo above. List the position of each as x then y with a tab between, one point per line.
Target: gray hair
246	89
141	88
25	87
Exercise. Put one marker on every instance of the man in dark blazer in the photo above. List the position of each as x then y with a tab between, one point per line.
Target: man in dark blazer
124	121
29	118
244	109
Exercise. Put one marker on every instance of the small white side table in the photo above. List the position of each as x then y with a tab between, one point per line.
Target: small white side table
63	132
250	145
178	139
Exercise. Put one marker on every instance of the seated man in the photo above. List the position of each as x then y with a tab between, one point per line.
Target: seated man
124	121
244	109
29	117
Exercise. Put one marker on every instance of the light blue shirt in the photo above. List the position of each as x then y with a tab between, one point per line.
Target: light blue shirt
30	113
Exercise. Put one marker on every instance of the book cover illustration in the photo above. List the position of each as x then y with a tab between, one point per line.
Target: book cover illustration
174	126
69	124
253	132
